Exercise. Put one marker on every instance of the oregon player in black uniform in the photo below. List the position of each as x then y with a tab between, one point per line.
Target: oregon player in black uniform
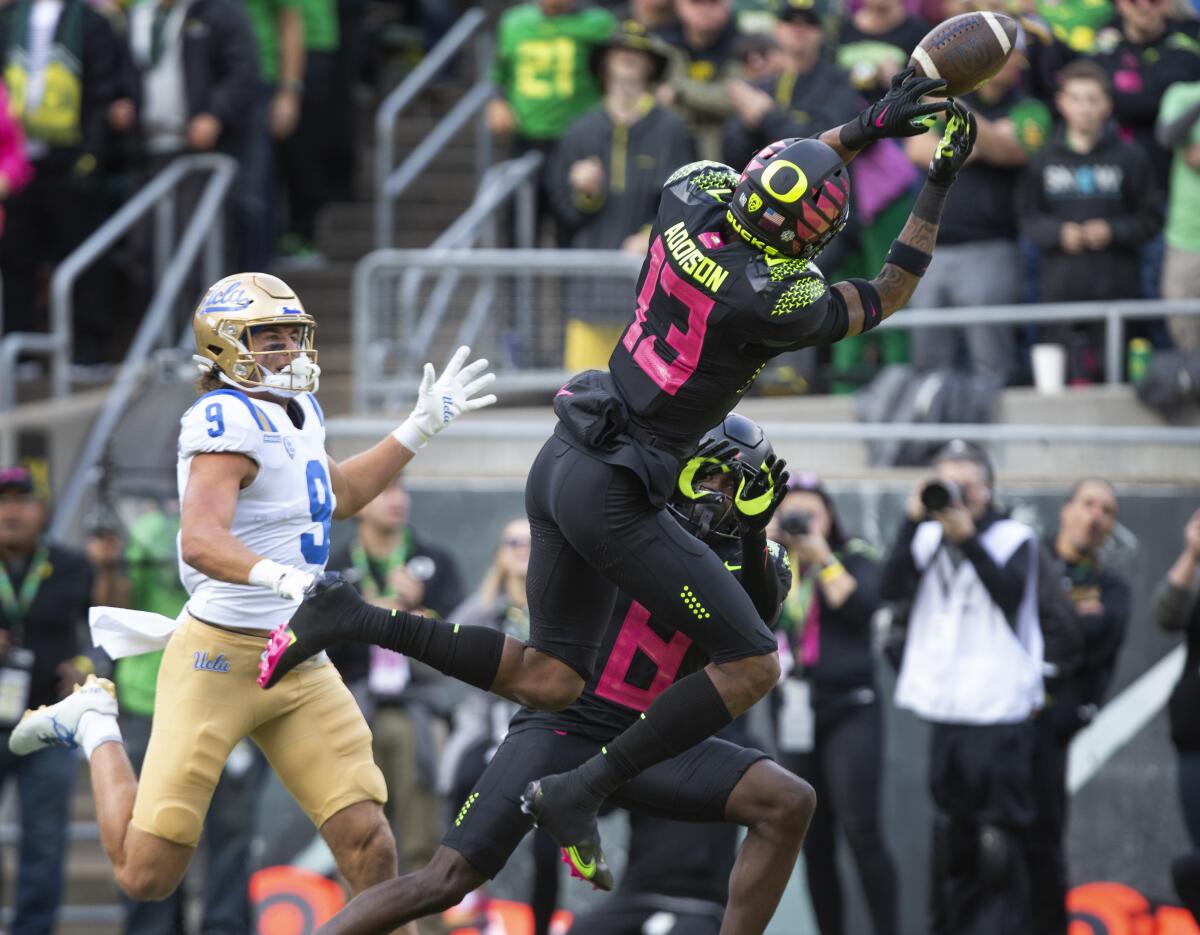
640	656
728	283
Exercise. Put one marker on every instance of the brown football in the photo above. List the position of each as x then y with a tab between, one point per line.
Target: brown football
966	50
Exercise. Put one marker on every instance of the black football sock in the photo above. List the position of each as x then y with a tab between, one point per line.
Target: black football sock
469	654
686	713
336	613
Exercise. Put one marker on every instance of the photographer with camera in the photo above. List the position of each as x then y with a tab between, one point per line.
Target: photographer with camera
829	719
972	668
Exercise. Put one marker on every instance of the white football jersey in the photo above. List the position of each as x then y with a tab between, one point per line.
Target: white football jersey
284	514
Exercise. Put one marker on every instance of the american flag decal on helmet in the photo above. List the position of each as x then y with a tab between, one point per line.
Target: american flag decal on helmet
771	218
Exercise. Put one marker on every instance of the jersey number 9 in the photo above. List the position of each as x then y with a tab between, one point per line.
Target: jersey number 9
320	507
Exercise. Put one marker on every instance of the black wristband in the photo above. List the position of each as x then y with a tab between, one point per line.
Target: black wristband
852	136
908	258
871	302
930	201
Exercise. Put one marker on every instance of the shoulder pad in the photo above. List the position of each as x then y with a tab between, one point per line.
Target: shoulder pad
224	420
786	285
713	178
779	554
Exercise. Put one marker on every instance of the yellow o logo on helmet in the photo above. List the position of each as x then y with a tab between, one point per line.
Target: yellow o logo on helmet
793	193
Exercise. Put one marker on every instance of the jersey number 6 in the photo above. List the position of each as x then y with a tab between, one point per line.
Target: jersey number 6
669	376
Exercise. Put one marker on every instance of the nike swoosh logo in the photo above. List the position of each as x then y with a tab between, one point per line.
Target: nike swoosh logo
587	870
882	114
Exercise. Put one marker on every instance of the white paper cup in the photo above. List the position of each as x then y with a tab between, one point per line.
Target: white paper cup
1049	368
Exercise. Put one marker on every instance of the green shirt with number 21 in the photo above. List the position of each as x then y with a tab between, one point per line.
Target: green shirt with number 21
542	66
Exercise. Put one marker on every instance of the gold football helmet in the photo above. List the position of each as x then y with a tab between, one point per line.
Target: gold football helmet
228	313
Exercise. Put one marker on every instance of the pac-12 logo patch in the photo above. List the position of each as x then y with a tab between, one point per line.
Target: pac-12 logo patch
754	203
290	447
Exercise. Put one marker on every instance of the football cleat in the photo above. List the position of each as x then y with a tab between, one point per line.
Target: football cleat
318	623
55	725
572	826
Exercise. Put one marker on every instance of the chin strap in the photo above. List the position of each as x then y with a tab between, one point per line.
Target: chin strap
301	370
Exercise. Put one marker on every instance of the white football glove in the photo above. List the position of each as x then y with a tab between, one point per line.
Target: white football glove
289	583
440	400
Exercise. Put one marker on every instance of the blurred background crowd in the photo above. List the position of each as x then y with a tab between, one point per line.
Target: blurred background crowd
1083	186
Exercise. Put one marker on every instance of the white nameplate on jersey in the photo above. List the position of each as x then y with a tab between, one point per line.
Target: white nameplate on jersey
15	680
797	725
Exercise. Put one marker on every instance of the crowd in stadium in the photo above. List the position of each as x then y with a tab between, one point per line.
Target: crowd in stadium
1083	187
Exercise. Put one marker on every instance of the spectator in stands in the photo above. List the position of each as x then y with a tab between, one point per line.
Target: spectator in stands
279	34
807	95
1178	130
1101	603
605	178
143	573
830	720
979	227
197	69
543	70
406	702
1143	56
1087	201
60	61
972	668
759	56
876	41
194	88
1177	610
45	591
702	63
15	171
481	722
304	155
655	15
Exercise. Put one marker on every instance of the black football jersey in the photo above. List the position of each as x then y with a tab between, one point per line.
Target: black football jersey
711	310
640	657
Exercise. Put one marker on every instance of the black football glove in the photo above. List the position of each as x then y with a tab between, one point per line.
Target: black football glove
955	146
756	501
716	453
898	113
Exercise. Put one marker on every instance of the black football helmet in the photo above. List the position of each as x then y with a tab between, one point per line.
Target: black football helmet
738	447
792	199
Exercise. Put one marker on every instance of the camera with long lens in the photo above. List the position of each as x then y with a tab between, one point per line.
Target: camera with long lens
794	523
940	494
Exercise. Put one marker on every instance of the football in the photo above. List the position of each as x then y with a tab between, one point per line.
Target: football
966	50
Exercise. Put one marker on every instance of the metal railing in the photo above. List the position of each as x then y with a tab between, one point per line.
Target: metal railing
379	315
58	344
390	180
201	231
514	179
375	317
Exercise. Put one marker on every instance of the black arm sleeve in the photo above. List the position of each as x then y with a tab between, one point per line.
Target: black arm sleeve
758	577
900	573
1005	583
